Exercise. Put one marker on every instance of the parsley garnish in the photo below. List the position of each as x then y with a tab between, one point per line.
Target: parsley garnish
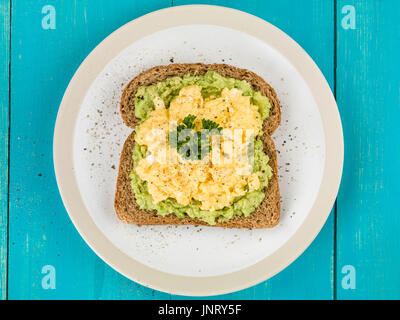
188	121
210	125
191	144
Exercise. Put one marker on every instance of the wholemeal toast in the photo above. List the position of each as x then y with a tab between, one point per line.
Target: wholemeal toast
160	73
266	214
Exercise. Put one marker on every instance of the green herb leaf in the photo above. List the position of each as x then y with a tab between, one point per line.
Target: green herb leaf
188	121
197	146
210	125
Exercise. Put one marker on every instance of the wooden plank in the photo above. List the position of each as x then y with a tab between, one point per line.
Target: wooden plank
4	135
43	62
368	94
311	24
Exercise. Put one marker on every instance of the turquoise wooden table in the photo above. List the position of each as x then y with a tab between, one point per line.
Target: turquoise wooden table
356	44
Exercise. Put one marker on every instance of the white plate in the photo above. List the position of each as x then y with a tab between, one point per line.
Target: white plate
90	133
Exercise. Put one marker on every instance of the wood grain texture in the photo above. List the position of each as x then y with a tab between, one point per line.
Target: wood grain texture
4	134
368	95
43	61
41	233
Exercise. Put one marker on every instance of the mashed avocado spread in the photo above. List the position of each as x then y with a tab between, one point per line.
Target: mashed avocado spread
212	85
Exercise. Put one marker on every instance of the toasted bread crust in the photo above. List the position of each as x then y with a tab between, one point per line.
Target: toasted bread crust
265	216
160	73
268	212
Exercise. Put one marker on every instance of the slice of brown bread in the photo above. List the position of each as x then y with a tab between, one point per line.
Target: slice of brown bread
265	216
160	73
268	212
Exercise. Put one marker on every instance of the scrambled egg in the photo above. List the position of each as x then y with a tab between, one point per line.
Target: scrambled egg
213	181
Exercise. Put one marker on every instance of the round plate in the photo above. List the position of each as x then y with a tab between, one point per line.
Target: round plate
189	260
